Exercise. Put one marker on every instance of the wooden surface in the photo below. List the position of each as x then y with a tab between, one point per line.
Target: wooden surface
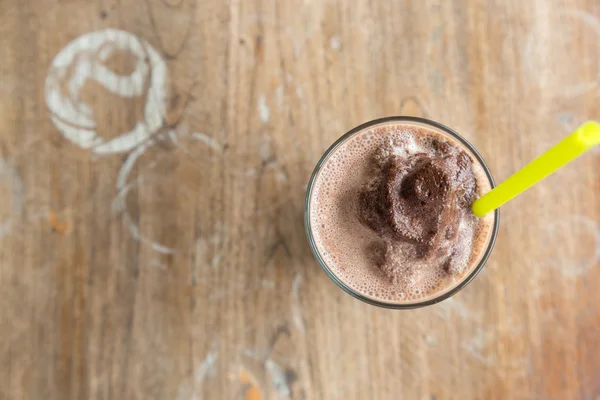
172	263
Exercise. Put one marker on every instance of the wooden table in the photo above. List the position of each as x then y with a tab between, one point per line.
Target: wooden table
154	156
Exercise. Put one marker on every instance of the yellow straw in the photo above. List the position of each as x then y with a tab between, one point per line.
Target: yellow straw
571	147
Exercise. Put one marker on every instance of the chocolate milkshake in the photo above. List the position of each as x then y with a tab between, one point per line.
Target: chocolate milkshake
389	212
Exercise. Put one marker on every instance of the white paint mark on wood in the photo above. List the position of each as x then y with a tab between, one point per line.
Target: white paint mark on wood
278	379
431	340
478	347
83	60
567	121
134	230
255	354
182	140
123	189
482	346
214	263
209	249
279	93
132	158
335	43
207	140
296	309
281	177
187	391
263	109
279	96
291	81
454	306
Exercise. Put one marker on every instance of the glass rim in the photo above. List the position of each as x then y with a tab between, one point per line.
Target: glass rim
308	227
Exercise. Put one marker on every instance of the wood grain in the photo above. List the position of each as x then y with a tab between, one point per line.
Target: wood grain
179	269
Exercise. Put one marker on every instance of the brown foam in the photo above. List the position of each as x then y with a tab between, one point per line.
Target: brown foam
367	256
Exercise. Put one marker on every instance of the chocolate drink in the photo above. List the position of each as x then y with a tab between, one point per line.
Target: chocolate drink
389	212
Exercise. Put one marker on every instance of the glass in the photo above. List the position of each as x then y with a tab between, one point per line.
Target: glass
435	298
